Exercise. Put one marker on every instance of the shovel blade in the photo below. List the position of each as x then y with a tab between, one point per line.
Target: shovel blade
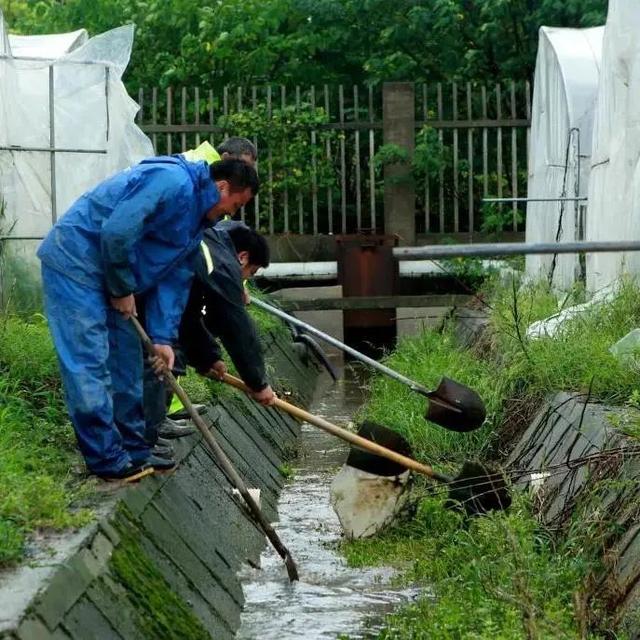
456	407
479	489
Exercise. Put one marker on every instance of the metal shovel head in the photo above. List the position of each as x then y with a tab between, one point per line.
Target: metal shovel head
479	489
370	462
456	407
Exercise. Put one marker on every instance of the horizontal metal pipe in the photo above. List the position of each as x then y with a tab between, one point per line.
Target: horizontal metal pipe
14	147
512	249
581	199
329	270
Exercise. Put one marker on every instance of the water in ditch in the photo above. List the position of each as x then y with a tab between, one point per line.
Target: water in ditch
331	599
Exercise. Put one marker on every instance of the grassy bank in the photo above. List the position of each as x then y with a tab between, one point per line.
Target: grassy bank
43	482
502	576
40	472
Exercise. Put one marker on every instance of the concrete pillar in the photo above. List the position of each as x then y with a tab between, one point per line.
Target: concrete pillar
398	112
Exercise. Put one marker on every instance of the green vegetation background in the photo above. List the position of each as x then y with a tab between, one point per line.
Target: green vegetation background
202	42
504	576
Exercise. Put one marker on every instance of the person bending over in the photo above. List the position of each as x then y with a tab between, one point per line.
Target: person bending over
138	232
230	253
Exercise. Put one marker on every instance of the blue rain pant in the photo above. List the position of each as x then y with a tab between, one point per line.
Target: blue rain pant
100	358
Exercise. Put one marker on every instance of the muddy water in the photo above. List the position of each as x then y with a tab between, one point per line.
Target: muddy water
330	599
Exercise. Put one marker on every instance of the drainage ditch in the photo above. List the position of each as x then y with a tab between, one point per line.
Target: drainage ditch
331	598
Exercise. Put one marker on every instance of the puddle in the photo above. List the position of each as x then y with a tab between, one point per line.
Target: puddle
331	598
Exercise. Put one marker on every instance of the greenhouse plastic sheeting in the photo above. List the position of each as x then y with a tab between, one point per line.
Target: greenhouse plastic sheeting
66	123
565	89
47	46
614	187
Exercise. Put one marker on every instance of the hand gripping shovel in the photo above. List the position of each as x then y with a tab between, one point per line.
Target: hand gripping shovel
476	488
451	405
223	461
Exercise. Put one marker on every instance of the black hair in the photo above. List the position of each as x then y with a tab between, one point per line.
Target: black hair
246	239
239	174
238	147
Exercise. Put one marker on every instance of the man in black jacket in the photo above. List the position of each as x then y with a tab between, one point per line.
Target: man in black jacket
230	253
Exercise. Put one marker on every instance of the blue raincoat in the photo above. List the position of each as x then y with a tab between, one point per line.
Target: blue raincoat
137	232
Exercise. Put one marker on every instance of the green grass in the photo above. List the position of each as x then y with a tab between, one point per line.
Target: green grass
500	576
503	576
38	484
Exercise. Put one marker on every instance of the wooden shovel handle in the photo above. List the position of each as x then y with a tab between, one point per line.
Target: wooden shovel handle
352	438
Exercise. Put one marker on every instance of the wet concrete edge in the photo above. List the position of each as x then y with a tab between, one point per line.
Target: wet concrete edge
169	548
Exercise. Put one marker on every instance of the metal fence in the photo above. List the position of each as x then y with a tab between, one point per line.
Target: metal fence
482	135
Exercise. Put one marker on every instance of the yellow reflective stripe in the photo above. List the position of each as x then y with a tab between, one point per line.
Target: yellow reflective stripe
207	257
176	404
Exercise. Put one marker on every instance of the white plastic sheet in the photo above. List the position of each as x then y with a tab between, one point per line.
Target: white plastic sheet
614	187
66	124
565	88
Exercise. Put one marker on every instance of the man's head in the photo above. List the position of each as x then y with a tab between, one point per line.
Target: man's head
251	247
237	183
239	149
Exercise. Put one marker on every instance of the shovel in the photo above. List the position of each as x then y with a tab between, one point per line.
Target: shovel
476	488
452	405
222	459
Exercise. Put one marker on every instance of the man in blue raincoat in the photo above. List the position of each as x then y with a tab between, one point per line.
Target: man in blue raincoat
136	233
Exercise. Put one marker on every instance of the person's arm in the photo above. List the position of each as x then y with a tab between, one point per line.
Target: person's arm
166	302
230	321
145	195
199	346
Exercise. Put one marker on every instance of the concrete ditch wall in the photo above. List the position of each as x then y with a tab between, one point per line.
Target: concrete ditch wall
588	479
160	561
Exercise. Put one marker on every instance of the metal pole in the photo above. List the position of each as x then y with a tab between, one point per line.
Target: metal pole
512	249
567	199
414	386
52	145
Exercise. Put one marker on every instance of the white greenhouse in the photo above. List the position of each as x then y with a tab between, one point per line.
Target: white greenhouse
66	123
614	187
564	98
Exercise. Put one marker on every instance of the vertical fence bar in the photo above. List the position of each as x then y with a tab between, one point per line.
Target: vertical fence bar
427	208
470	159
196	114
270	172
285	195
357	159
456	185
169	118
211	116
441	171
183	117
499	139
140	114
314	167
514	158
527	98
154	117
225	110
299	194
485	147
327	108
372	168
343	162
256	200
52	145
243	212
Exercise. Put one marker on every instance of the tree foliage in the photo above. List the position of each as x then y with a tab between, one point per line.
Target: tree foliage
197	42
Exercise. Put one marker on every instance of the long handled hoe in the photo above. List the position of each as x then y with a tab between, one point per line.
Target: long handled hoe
476	488
223	461
452	405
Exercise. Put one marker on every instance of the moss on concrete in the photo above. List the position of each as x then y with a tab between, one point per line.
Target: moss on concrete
160	612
